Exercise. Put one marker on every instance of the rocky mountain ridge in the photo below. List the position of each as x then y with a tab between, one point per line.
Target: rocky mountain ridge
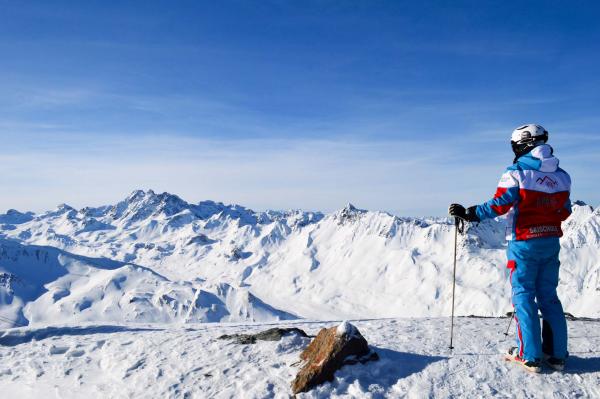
351	263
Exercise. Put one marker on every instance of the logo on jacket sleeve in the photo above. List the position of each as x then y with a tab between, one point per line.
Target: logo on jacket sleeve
547	181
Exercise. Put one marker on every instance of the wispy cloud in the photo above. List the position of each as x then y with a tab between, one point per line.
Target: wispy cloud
312	174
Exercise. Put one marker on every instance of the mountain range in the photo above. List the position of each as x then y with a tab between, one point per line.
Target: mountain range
157	258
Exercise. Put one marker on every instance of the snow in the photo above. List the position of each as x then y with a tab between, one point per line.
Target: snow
44	285
168	361
181	262
345	329
127	300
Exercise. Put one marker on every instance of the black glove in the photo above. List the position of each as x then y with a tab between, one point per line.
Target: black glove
459	211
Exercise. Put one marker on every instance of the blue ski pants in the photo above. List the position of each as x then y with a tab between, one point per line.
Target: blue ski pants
534	268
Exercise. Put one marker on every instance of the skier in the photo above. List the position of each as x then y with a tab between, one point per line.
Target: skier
534	192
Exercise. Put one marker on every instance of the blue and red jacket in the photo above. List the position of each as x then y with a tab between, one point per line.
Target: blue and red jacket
535	194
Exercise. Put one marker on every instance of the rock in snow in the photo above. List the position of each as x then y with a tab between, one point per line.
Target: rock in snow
331	349
272	334
99	361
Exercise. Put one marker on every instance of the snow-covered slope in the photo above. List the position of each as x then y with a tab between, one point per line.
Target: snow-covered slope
158	361
45	285
155	257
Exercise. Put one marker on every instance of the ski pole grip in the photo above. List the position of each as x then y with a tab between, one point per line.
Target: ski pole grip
459	224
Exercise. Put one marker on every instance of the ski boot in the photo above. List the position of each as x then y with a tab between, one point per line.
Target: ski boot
554	363
512	355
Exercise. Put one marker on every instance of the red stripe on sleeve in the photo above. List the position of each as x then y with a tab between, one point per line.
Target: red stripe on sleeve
501	209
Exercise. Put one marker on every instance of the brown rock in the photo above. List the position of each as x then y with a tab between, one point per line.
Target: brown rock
329	351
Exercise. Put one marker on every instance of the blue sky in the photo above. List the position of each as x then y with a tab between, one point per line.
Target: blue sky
397	106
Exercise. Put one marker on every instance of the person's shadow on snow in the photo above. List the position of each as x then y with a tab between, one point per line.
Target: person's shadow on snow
582	365
385	372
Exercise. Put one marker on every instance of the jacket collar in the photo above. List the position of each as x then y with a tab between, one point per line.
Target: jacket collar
540	158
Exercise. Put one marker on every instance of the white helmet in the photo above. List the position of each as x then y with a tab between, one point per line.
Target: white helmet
527	137
529	133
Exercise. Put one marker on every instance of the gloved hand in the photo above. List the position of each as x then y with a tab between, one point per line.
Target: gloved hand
459	211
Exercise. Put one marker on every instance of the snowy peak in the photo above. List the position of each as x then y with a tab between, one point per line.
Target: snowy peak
143	207
138	195
13	216
293	218
143	204
62	209
577	203
582	229
349	207
147	205
348	214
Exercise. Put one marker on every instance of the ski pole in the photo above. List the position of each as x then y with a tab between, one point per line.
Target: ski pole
512	316
458	227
